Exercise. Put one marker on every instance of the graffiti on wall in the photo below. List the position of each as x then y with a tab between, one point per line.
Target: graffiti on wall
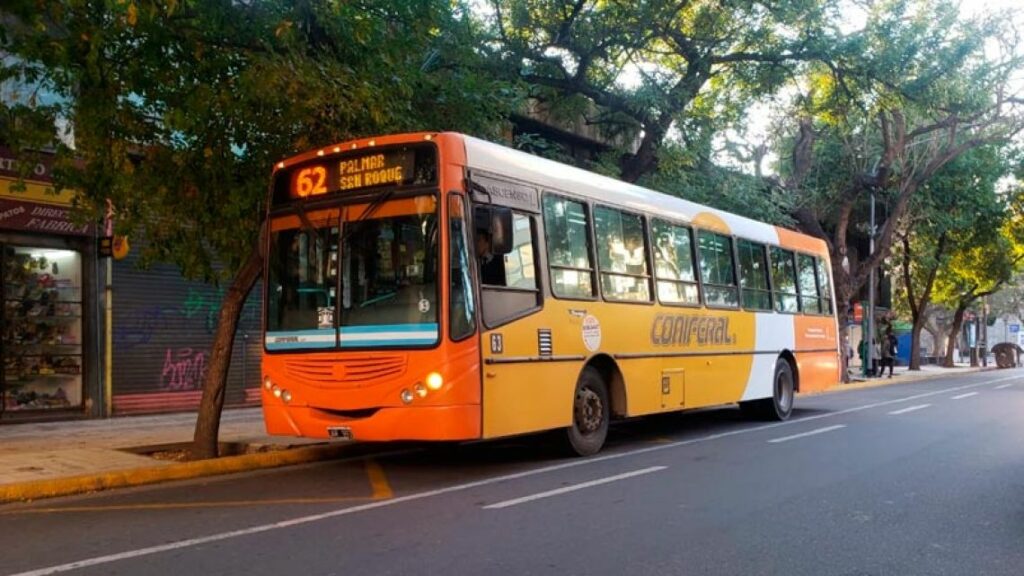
183	369
167	344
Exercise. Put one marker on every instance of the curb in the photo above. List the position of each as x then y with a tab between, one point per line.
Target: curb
70	485
904	378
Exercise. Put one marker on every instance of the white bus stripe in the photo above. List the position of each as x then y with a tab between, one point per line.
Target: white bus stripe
574	487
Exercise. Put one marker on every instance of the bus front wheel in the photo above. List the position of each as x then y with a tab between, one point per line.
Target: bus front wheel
590	414
780	405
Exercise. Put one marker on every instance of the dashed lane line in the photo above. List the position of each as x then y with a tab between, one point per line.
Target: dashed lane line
909	409
962	396
806	434
1007	385
573	488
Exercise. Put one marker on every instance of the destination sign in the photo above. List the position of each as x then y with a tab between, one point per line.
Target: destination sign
404	166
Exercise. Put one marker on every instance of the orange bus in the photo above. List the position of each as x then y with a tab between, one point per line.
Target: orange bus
434	286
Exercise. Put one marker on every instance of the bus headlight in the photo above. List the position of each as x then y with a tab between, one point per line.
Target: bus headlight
267	383
277	392
406	396
286	396
420	390
434	381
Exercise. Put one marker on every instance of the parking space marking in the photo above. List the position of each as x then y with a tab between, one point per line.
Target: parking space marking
910	409
814	432
573	488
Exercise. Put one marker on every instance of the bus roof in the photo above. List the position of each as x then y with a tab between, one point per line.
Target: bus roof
558	177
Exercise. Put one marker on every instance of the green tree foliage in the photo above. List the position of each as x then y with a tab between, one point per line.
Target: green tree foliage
918	87
692	66
943	219
989	255
179	109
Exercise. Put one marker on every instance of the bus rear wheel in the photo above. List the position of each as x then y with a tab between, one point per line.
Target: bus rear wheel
590	414
780	406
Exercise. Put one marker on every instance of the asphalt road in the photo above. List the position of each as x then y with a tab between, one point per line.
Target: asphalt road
924	478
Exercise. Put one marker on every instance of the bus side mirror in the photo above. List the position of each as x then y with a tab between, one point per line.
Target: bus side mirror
495	221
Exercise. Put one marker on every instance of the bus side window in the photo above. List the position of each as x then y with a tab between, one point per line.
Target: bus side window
754	276
808	283
622	259
568	239
673	263
824	286
784	280
462	308
716	269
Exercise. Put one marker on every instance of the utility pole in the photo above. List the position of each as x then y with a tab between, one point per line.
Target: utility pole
869	338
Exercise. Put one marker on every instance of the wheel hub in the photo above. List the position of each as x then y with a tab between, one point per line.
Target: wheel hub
589	411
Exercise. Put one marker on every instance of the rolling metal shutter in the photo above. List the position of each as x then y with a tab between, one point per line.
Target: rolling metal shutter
163	328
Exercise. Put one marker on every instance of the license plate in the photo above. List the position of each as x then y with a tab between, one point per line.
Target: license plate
341	432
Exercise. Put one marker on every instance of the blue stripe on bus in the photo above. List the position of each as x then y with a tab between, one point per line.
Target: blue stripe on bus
298	345
388	328
390	342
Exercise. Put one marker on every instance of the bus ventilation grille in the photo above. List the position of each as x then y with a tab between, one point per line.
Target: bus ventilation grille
544	342
351	372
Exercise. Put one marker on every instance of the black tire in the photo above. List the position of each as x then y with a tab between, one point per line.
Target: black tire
780	406
590	414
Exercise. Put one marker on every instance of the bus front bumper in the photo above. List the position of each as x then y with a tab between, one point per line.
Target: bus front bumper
386	424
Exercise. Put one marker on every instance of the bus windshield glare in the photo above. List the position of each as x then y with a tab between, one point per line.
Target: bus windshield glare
358	276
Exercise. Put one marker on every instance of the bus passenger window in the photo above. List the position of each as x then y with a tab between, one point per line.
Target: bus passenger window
825	286
754	276
808	283
568	240
623	257
784	280
716	269
673	264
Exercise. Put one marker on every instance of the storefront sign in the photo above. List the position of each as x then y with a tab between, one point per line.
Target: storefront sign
35	217
41	170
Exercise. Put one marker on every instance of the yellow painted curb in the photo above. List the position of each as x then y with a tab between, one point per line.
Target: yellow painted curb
179	471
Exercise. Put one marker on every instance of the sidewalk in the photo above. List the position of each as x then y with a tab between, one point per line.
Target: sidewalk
55	459
901	374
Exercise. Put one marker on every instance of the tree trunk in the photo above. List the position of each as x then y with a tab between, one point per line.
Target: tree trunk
915	342
954	332
204	442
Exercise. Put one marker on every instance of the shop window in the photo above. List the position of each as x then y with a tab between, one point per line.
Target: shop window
42	328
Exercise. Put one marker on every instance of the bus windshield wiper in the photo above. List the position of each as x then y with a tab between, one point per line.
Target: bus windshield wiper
370	210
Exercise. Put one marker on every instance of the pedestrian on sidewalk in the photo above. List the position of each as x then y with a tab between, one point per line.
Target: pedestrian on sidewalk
888	351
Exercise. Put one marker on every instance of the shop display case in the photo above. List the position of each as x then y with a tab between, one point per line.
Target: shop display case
41	328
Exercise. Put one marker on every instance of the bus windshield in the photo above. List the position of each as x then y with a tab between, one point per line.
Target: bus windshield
358	276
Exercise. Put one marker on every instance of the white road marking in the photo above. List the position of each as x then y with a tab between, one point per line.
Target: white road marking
1000	387
806	434
962	396
188	543
574	487
910	409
